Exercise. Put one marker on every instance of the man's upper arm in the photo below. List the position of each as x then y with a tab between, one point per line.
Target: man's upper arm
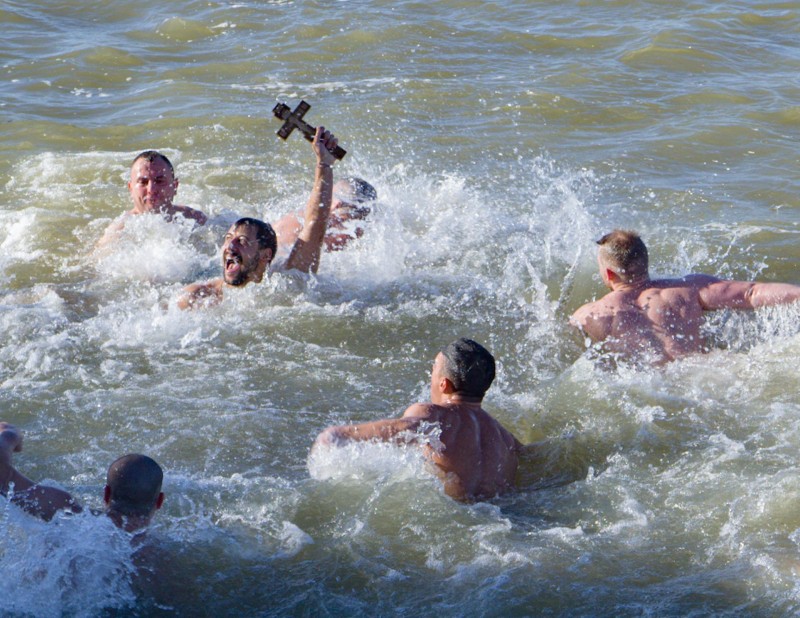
44	502
716	294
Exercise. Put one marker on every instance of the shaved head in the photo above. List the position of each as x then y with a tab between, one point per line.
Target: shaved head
135	485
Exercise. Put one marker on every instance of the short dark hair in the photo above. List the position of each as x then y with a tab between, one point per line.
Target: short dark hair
362	190
135	484
267	239
626	253
469	366
152	155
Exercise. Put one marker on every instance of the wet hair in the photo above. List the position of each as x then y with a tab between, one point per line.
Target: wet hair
135	484
362	191
626	253
469	366
267	239
152	155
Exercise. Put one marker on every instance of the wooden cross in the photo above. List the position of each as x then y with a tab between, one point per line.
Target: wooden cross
294	120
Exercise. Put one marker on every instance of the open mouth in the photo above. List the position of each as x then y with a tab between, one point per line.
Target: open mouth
233	264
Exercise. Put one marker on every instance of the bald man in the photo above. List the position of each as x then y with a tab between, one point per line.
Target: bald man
132	493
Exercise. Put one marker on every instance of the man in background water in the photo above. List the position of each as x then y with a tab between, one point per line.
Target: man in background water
352	198
657	321
152	187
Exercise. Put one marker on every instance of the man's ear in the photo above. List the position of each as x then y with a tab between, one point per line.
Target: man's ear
107	494
159	500
612	276
446	386
266	258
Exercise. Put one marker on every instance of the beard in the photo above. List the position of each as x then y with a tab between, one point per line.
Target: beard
235	271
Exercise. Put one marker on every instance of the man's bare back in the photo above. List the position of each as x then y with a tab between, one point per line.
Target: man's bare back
473	454
657	321
477	457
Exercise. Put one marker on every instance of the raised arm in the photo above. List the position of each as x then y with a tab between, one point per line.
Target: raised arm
307	248
38	500
746	294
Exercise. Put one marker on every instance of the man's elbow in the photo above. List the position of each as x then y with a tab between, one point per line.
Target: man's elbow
332	436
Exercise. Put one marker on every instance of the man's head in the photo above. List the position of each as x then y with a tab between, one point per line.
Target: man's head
247	251
133	490
152	184
463	368
622	256
353	194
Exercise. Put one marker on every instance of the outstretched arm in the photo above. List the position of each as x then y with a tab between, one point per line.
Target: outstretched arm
746	295
308	246
38	500
387	430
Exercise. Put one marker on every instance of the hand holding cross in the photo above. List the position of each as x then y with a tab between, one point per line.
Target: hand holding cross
294	120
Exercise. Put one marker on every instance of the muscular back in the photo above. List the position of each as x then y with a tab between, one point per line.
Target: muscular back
477	458
659	320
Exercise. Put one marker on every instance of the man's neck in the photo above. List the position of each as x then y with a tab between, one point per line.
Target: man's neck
457	399
129	523
632	286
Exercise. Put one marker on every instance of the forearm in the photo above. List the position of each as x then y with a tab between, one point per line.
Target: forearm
768	294
318	208
307	248
389	430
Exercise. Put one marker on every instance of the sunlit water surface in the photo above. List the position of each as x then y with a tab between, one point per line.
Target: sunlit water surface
503	138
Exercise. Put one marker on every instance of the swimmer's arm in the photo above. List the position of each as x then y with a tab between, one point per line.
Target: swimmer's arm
387	430
195	215
746	294
38	500
307	248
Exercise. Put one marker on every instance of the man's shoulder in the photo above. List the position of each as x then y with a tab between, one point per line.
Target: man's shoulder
692	280
422	410
597	308
201	294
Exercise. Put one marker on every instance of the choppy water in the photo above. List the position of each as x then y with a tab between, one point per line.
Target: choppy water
503	138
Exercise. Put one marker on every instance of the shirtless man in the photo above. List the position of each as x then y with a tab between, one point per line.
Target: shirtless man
657	321
351	202
132	493
250	244
152	187
477	458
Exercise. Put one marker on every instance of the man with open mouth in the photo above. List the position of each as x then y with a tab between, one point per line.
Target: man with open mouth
250	244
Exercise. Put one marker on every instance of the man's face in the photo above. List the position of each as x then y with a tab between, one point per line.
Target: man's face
242	256
152	185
